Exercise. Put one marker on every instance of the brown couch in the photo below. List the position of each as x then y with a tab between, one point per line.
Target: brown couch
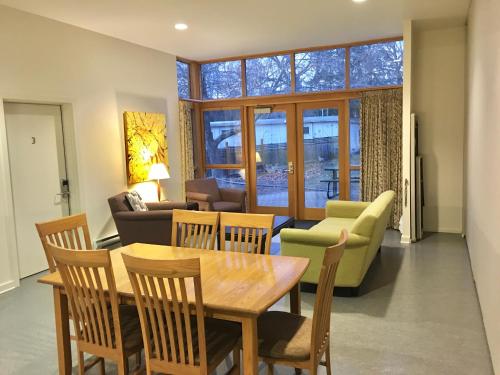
153	226
210	197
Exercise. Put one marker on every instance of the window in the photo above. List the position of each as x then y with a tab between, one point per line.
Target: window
221	80
222	137
320	70
379	64
183	86
268	75
228	178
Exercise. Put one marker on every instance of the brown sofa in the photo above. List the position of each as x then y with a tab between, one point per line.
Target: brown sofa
153	226
210	197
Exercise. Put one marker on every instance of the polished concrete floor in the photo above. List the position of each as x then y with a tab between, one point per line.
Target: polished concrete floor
418	313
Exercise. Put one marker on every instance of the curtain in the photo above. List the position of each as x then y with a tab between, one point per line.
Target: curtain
186	130
381	143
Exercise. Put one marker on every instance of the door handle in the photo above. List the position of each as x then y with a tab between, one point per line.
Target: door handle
291	168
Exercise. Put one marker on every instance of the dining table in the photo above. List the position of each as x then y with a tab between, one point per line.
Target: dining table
236	286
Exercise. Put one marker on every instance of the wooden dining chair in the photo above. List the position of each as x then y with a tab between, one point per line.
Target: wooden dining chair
102	326
70	232
246	232
294	340
166	293
194	229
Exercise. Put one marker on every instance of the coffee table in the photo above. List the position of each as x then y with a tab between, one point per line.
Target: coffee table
280	222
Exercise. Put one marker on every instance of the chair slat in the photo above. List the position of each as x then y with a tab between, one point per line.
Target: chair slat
194	227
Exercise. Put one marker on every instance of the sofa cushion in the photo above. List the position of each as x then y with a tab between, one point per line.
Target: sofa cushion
335	224
227	206
136	201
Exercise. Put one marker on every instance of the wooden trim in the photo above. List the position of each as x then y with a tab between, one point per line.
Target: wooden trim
292	74
251	101
195	83
298	50
347	68
224	166
243	78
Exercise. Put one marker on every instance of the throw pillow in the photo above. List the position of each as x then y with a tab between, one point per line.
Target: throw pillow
136	201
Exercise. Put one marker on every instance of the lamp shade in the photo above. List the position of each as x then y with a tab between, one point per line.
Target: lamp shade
158	171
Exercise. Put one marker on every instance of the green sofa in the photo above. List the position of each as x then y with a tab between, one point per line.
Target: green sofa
366	223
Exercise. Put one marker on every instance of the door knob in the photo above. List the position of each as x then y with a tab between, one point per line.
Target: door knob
291	169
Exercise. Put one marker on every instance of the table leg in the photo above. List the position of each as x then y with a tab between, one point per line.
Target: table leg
295	299
62	332
250	355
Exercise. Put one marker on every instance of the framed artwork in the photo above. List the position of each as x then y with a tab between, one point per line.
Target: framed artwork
145	143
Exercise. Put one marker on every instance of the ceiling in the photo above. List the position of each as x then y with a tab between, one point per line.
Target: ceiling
221	28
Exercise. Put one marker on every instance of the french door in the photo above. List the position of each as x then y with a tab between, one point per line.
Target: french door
298	158
271	159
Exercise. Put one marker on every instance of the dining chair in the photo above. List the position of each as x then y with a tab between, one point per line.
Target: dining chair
294	340
70	232
246	232
175	341
194	229
102	326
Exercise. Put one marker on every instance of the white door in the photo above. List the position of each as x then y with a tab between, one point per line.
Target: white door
37	168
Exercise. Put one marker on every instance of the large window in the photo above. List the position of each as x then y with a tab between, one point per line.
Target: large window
183	86
221	80
222	137
320	70
379	64
268	75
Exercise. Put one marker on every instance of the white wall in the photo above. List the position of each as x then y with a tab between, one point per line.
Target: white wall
439	101
482	163
46	61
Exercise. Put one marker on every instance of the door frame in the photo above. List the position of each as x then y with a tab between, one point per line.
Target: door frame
291	125
343	162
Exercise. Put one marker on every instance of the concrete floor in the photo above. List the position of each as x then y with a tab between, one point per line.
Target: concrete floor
418	313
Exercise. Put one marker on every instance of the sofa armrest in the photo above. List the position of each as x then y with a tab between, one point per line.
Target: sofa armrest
316	238
155	206
192	196
156	215
232	195
347	209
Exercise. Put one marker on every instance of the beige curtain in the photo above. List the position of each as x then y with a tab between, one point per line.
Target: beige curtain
381	142
186	130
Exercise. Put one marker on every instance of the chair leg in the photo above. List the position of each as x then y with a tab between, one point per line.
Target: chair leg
81	363
103	366
298	371
122	366
328	361
237	356
270	369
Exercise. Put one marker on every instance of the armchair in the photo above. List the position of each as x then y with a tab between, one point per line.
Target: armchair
153	226
210	197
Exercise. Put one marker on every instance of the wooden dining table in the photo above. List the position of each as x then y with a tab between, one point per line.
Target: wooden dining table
235	286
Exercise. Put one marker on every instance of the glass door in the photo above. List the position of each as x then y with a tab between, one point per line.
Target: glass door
322	152
272	159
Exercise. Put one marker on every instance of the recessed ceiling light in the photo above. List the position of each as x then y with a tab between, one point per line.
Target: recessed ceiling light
358	1
181	26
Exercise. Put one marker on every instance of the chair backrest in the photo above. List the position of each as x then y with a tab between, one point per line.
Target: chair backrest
204	185
90	286
195	229
119	203
246	232
70	232
324	295
174	341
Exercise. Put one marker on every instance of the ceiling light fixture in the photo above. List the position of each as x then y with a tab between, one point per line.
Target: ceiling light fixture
181	26
358	1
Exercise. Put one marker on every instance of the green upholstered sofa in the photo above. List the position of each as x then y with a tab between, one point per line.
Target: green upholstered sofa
366	223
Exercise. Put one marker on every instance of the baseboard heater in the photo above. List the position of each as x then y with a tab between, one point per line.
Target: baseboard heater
107	242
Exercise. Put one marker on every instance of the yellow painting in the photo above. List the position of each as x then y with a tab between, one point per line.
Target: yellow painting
145	143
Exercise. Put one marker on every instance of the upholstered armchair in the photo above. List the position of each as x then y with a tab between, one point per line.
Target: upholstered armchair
210	197
153	226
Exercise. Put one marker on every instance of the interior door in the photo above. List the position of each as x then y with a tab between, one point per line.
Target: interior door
38	171
322	154
272	159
